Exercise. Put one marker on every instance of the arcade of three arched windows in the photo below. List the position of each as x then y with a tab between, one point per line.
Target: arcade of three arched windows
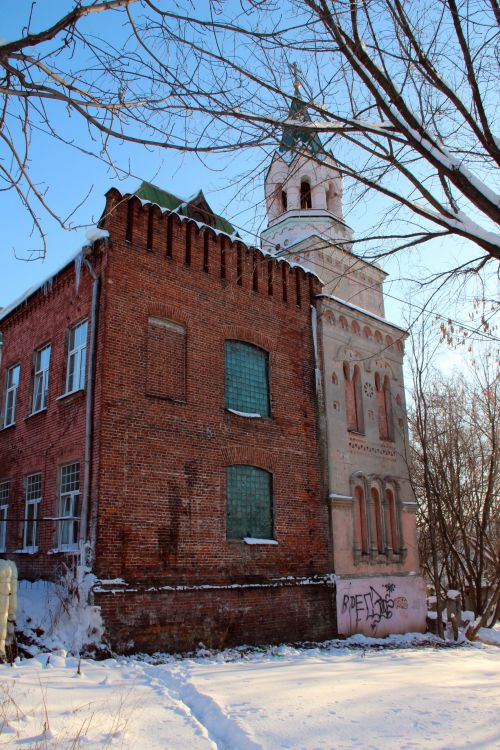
377	518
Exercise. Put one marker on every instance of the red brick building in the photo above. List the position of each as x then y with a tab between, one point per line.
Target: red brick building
210	428
159	412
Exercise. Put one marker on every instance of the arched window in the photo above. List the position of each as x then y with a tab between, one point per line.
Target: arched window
361	520
249	502
388	407
358	399
392	519
384	407
284	201
350	407
353	399
305	194
377	513
246	378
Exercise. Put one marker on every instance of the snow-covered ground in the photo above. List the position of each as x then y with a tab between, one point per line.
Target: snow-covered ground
341	697
397	693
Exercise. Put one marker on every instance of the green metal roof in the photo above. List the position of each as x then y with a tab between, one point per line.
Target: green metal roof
164	199
153	194
294	139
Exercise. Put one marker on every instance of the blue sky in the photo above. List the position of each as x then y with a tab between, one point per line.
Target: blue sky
71	179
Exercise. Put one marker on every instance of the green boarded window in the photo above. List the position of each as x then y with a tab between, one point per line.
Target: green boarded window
246	378
249	503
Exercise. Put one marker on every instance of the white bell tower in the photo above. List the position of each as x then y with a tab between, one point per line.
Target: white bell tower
303	190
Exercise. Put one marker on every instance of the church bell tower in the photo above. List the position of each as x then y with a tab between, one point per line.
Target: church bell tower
303	192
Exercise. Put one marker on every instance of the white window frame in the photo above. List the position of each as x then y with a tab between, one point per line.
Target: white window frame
4	507
78	356
66	519
40	380
32	503
10	397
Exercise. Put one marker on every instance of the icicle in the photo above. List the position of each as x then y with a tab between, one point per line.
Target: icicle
47	285
78	268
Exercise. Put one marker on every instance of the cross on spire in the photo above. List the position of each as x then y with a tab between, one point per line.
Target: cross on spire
296	83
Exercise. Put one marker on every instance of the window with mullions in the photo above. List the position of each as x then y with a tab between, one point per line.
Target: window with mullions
33	487
77	357
68	507
249	503
4	505
41	378
246	378
10	399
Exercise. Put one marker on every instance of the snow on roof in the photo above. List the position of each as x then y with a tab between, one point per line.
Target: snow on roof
361	310
165	200
184	217
92	235
232	237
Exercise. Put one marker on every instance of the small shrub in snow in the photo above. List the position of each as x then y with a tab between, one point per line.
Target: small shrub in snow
59	615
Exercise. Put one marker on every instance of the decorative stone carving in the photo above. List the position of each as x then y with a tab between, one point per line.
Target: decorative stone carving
368	389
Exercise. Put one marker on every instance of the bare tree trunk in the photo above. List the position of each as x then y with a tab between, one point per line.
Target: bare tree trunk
454	461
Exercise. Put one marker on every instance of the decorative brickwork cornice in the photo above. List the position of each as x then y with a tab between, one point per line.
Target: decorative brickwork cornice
150	227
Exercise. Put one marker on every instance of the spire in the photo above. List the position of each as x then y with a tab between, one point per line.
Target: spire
296	83
295	139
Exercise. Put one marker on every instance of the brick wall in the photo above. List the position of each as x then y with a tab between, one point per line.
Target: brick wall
163	439
42	442
182	620
163	460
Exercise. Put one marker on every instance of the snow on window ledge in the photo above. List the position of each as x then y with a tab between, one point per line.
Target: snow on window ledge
29	551
63	550
245	414
113	581
254	540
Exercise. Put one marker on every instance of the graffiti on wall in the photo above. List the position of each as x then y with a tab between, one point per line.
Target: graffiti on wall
373	606
379	606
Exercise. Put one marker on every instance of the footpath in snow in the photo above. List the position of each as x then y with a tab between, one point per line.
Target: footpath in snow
339	697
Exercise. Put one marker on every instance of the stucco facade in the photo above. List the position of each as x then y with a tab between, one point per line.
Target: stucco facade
370	499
